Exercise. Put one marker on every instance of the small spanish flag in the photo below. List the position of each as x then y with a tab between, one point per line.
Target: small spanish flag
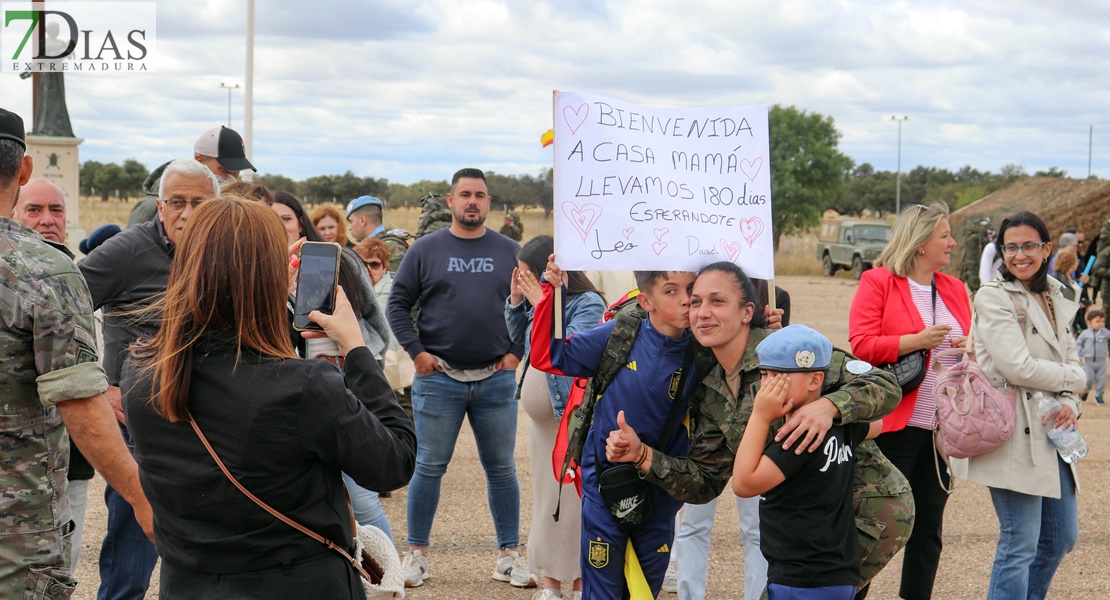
548	138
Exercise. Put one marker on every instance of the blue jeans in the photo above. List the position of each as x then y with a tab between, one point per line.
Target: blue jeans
367	507
439	404
127	557
1036	533
691	548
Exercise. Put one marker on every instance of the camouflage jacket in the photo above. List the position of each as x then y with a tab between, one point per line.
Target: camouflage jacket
47	355
718	420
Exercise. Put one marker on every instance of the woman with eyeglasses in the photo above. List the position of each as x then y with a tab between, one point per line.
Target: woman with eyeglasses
904	306
375	255
1023	340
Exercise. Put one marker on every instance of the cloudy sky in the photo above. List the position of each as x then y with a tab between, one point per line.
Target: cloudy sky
414	89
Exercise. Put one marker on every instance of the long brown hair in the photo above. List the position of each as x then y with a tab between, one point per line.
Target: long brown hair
229	274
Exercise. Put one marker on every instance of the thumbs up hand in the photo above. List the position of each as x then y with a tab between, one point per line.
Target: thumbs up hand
623	445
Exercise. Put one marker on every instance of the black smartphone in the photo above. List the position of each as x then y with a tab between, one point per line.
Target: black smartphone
317	278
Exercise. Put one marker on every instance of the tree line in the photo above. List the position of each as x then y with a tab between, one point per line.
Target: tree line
809	174
124	182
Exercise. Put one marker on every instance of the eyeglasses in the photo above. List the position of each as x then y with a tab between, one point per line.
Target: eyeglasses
1028	248
178	205
373	264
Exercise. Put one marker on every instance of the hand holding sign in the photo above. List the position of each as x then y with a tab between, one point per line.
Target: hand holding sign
647	188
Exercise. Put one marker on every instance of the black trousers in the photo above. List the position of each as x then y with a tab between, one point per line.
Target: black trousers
322	575
911	450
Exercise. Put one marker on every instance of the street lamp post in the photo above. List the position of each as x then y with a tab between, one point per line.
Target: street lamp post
229	88
898	191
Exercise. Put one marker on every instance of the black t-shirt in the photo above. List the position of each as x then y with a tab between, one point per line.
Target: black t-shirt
807	523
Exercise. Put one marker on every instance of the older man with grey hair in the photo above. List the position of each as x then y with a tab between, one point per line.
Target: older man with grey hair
126	274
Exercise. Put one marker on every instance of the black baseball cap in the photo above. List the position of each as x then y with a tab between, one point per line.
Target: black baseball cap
226	146
11	128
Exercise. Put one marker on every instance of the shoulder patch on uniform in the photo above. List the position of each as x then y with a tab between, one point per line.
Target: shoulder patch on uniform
858	367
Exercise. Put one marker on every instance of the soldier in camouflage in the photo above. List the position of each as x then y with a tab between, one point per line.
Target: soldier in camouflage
50	382
434	214
512	226
853	392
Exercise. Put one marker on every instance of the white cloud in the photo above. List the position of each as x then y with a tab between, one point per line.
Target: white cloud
413	90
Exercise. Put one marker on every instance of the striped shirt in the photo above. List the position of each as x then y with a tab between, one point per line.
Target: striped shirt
924	410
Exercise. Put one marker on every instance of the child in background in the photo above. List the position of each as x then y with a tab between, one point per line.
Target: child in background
1092	349
806	520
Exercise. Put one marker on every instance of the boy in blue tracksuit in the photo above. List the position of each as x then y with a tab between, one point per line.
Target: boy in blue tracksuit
640	395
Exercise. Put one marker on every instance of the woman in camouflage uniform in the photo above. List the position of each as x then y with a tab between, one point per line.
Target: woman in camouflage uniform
728	324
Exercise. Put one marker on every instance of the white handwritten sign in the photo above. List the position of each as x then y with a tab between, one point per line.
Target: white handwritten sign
645	188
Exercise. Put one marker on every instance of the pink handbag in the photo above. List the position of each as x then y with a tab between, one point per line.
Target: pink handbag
973	416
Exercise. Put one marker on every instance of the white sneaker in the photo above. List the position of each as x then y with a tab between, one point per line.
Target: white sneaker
414	568
670	580
513	569
574	595
545	594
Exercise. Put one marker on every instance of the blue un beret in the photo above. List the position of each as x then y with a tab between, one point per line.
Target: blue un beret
795	348
361	201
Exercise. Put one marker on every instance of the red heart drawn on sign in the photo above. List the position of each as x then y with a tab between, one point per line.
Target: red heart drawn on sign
627	232
751	228
582	218
751	167
658	247
578	118
731	249
660	232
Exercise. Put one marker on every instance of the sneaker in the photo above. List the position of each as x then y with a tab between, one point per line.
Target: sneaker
670	580
1098	399
414	568
545	594
513	569
574	595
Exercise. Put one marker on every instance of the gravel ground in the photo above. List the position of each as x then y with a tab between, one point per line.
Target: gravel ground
464	546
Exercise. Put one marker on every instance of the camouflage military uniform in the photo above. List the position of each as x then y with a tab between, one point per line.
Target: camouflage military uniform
513	227
882	497
47	355
434	215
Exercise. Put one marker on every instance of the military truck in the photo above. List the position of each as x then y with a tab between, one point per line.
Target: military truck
850	244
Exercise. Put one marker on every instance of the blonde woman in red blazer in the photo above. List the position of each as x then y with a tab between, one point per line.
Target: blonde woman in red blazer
902	306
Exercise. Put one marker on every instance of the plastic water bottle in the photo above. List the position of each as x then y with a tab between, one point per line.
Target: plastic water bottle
1069	443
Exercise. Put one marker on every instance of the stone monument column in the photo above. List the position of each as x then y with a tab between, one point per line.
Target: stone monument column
51	143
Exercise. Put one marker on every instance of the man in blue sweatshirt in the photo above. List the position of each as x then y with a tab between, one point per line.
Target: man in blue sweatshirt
465	366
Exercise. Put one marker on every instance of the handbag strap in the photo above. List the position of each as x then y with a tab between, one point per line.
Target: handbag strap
672	416
277	514
933	287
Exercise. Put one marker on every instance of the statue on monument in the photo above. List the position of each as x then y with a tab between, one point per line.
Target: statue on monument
51	114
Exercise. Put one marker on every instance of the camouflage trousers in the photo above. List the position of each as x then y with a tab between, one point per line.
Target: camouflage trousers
36	565
884	524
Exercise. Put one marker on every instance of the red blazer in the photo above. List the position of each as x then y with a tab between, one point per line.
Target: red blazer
883	311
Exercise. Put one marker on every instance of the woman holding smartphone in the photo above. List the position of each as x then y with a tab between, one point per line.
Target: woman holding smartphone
371	323
285	428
